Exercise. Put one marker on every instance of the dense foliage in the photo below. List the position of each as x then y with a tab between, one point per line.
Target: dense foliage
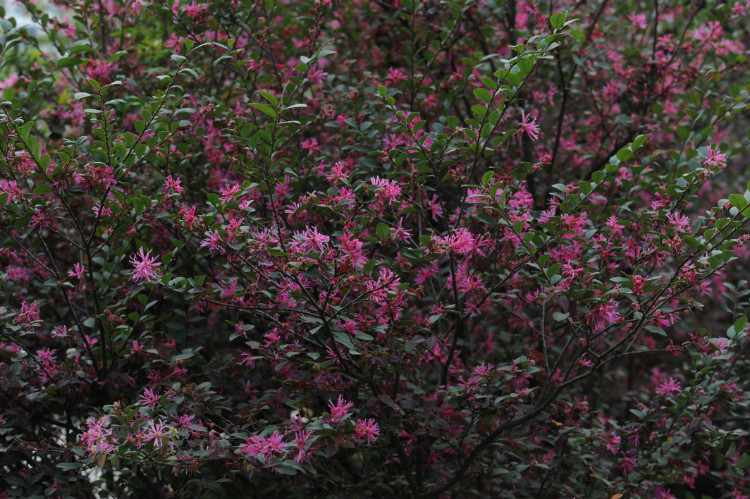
403	248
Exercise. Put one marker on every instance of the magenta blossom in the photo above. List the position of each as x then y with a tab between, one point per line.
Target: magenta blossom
714	160
367	430
144	267
529	126
267	448
340	410
669	388
157	433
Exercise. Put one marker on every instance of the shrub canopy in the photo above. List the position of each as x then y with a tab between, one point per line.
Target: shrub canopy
395	248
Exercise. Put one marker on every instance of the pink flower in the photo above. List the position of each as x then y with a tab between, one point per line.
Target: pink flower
188	215
367	430
638	283
172	186
434	207
340	410
529	126
460	242
265	449
184	420
156	433
615	229
388	190
662	493
395	75
310	241
96	439
399	233
317	75
41	219
47	356
339	172
628	464
29	313
136	349
311	145
714	160
602	316
483	369
669	388
301	439
149	398
195	11
613	442
353	249
229	192
349	326
144	267
137	6
213	242
77	271
99	70
679	221
638	20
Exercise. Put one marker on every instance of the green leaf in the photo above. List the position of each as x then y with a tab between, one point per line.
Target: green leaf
738	201
489	83
77	49
740	324
130	139
682	132
553	269
487	177
68	62
369	266
42	189
558	19
624	154
26	129
559	316
269	97
69	466
264	108
655	330
116	55
526	64
221	59
384	232
81	95
743	461
639	141
343	338
483	94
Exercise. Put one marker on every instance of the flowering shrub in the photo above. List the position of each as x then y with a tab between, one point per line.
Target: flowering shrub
410	248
